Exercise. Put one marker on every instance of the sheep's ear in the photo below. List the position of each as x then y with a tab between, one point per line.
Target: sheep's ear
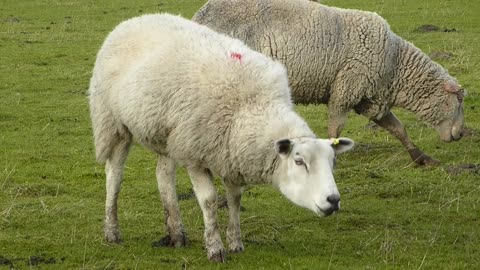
283	147
341	145
452	87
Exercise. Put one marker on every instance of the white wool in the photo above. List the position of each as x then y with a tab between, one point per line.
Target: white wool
178	90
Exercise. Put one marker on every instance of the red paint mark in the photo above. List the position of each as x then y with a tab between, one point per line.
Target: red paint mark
236	56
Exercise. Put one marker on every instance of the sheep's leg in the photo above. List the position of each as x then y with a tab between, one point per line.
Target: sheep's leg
336	122
114	172
206	193
391	123
234	234
166	186
341	102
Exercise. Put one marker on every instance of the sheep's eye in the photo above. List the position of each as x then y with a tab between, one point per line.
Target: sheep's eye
299	162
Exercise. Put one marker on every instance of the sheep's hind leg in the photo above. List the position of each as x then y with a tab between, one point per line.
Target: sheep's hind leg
206	193
234	234
114	171
391	123
166	186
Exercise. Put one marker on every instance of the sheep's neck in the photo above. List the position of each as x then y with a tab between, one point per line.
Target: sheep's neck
415	79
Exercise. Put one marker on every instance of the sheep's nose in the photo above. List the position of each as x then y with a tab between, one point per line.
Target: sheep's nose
334	201
456	137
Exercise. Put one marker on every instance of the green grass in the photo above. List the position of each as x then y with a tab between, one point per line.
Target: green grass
394	215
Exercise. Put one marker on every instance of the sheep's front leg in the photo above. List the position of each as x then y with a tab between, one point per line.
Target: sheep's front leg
336	122
166	186
114	171
206	193
339	105
391	123
234	234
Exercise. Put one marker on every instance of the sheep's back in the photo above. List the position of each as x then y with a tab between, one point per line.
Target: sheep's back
314	41
177	88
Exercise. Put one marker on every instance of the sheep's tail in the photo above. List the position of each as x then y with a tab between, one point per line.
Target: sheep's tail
107	131
106	136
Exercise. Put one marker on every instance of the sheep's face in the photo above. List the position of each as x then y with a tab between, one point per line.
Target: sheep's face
305	172
451	126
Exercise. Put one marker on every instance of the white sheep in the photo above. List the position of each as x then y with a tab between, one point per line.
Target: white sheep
348	59
207	102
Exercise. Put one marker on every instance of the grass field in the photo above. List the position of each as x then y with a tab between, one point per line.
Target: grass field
394	215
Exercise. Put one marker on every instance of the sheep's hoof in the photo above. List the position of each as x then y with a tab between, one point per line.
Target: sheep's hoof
422	159
236	249
113	238
427	161
218	256
169	241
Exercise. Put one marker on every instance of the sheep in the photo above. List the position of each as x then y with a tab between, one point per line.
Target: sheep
205	101
348	59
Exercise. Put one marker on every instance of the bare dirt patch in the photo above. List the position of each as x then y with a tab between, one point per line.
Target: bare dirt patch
464	168
11	19
425	28
5	261
438	55
36	260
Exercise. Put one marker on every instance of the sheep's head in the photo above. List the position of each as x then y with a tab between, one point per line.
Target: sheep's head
304	173
450	125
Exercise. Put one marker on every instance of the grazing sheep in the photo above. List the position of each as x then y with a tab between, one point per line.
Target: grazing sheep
205	101
348	59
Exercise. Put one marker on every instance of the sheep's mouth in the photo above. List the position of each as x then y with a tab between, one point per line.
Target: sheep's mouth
450	136
446	138
325	212
448	132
